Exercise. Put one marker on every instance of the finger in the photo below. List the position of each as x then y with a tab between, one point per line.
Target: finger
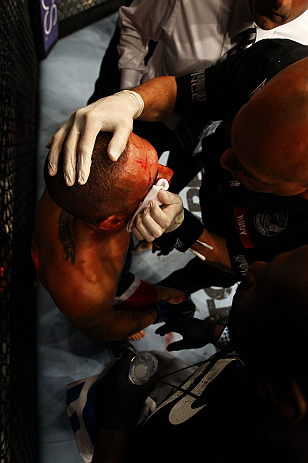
160	217
48	144
137	234
119	141
166	197
85	148
150	224
84	160
55	144
142	229
179	345
164	329
70	156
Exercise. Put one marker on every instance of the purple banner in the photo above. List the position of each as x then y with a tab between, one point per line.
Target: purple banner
49	18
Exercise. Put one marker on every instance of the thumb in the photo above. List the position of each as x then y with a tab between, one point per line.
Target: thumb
166	197
164	329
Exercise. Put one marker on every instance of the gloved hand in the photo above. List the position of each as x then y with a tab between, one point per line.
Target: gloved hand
154	220
117	400
114	113
196	333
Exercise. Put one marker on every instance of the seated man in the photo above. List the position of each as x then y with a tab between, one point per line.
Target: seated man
246	403
80	244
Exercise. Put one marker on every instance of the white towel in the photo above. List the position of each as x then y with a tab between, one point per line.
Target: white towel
162	184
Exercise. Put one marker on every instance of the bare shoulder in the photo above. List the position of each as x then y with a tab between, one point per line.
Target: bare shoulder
77	269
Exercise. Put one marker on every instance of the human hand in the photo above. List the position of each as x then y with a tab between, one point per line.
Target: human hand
153	221
77	136
117	400
196	333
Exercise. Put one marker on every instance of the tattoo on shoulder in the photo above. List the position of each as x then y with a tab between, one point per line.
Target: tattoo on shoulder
66	236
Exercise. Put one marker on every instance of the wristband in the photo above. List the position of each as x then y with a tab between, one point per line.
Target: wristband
184	236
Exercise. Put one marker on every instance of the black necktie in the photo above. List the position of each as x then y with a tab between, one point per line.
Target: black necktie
244	39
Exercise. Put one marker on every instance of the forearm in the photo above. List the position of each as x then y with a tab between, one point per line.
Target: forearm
129	322
159	96
118	325
218	256
110	446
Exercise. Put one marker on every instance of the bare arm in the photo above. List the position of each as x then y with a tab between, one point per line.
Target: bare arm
159	96
114	325
123	320
88	305
218	256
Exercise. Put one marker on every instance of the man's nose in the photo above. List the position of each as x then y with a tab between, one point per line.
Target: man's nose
255	272
276	4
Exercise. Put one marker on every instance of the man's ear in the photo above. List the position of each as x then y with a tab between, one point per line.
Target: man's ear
286	397
305	194
113	222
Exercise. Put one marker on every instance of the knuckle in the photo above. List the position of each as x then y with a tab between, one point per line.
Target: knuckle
79	112
88	115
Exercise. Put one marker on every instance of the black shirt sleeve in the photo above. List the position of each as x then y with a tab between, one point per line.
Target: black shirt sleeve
221	90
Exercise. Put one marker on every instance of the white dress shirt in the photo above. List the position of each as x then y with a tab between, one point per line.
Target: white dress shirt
191	35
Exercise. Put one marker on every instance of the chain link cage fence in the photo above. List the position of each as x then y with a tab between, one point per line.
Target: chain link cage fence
76	14
19	74
18	138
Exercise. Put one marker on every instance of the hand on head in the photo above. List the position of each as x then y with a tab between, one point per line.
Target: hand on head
77	136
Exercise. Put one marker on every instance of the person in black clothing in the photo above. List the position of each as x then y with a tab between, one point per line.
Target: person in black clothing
235	24
255	187
247	403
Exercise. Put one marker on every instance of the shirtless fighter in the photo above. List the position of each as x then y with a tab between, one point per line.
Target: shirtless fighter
81	241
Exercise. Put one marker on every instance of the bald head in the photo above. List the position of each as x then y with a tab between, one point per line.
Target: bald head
270	136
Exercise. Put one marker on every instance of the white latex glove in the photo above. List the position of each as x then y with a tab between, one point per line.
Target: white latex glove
154	220
114	113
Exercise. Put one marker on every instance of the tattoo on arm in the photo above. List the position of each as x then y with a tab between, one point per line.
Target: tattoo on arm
135	316
66	236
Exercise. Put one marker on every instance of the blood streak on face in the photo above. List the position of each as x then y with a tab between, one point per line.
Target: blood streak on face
142	169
